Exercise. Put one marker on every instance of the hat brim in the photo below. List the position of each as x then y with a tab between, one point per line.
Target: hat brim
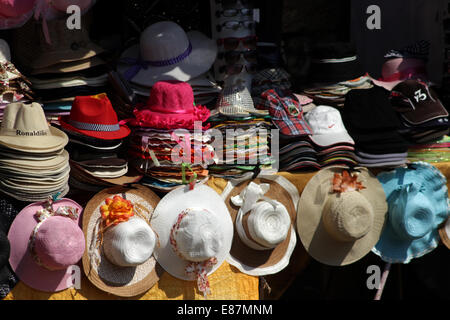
202	57
120	281
36	144
66	67
392	247
123	132
326	140
316	240
263	262
165	216
21	260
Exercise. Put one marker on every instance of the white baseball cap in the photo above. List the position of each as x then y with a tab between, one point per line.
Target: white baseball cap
327	126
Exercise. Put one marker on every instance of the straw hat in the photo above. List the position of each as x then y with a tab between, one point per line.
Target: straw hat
121	261
418	202
263	211
341	215
46	241
25	128
195	233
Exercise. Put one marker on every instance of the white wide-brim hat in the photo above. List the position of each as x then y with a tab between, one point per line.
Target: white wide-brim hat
165	216
183	67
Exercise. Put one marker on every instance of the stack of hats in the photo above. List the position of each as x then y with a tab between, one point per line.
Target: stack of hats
164	146
96	143
433	152
245	133
167	52
34	164
423	117
14	87
374	125
330	138
61	63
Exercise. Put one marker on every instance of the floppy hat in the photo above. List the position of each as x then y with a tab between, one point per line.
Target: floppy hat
170	106
120	240
341	215
327	126
195	233
167	52
418	204
46	241
24	127
14	13
95	117
263	211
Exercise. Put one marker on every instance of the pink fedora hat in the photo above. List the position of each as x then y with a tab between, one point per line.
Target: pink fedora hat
46	240
14	13
397	70
170	106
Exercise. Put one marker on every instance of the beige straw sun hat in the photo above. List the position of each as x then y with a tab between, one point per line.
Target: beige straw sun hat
341	215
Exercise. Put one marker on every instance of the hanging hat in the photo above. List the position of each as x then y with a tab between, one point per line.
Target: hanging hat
418	205
120	240
170	106
25	128
46	241
94	116
263	211
195	233
341	215
14	13
167	52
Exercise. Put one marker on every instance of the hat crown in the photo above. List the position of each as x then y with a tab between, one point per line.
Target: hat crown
24	120
325	120
171	97
59	243
348	216
129	243
199	236
15	8
269	224
93	110
236	96
411	214
163	41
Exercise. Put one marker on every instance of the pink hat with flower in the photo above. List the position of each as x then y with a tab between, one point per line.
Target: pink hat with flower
170	106
46	243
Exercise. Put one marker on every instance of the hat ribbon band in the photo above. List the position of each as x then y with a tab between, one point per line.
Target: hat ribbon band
94	126
138	64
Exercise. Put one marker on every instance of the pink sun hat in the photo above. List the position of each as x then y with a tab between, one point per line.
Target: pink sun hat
170	106
15	13
46	241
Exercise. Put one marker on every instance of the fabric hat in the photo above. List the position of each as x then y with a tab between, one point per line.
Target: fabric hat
236	101
327	126
121	263
14	13
24	127
167	52
263	211
416	102
94	116
341	215
418	204
46	241
286	113
195	233
170	106
444	233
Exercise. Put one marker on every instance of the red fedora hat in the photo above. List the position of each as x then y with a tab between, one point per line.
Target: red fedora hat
95	117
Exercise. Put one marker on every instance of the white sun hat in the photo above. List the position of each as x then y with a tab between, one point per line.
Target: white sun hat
167	52
327	126
195	233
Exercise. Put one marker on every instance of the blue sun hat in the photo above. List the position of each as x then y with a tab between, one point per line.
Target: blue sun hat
417	204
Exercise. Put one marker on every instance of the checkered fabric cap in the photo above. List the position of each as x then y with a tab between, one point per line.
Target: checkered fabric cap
286	113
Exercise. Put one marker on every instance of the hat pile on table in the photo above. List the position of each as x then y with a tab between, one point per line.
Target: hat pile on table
163	144
96	144
374	125
433	152
33	164
61	63
14	87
